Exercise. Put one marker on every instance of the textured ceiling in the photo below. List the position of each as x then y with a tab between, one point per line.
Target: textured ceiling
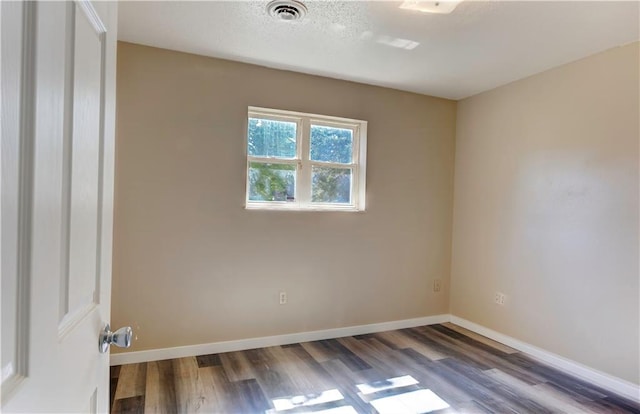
480	46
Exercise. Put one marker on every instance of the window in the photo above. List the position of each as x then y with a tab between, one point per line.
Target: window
298	161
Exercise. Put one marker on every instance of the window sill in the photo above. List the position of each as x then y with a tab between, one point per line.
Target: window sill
295	207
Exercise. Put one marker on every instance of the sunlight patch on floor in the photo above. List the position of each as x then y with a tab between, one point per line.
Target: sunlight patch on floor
387	384
414	402
345	409
398	395
283	404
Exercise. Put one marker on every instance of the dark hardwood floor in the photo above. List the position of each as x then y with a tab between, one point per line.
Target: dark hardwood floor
437	368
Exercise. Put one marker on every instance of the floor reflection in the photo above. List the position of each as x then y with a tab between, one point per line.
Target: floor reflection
400	395
345	409
414	402
397	395
283	404
377	386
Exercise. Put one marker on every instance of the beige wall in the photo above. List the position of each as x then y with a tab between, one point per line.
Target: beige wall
191	265
546	211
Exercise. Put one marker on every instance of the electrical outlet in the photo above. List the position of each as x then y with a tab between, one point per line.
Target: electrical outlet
283	298
499	298
437	285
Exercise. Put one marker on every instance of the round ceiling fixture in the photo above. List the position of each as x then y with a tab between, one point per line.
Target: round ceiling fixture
287	10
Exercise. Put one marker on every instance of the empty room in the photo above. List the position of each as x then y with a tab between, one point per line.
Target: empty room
335	207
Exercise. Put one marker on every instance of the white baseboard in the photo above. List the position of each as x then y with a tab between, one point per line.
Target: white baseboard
251	343
593	376
599	378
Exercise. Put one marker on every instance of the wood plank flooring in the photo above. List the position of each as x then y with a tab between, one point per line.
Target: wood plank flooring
437	368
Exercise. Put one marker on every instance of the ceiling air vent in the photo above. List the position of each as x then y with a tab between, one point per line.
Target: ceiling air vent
287	10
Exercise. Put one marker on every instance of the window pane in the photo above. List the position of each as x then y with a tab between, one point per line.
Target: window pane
331	185
331	144
271	138
272	182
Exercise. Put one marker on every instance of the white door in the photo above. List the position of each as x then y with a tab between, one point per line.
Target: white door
58	96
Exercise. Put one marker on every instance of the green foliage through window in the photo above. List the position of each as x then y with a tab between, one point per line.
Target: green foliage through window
303	161
271	182
331	185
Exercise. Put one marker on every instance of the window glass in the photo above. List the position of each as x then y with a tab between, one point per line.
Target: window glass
300	161
268	138
272	182
331	185
330	144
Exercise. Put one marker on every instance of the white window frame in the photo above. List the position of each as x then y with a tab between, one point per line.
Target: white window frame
302	199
